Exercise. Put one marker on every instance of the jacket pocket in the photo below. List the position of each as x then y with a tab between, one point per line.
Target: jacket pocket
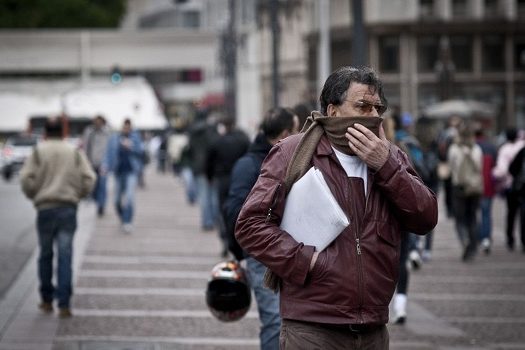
388	233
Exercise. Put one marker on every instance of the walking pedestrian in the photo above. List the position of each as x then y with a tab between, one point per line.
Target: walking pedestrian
95	143
506	153
200	135
489	161
222	154
277	124
124	158
338	297
517	170
465	161
55	177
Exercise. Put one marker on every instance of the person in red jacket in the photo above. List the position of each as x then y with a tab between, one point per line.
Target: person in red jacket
338	297
489	189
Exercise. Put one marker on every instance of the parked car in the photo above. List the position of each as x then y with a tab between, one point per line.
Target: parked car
14	152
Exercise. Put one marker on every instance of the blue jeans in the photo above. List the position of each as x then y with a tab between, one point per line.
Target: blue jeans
485	228
56	225
267	305
125	197
189	184
208	201
99	191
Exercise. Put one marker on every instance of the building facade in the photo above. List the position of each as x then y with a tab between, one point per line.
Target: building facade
425	51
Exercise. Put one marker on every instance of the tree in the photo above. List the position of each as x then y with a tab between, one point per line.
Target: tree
61	13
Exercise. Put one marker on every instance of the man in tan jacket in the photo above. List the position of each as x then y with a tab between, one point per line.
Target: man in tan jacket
55	177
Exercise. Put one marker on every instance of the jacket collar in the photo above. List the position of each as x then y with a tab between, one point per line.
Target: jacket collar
324	148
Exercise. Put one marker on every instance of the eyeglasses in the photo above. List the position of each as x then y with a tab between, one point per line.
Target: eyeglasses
365	107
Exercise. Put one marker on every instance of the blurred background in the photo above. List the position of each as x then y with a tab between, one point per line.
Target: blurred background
160	61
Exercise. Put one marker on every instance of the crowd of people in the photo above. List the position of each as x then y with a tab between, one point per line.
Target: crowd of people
383	176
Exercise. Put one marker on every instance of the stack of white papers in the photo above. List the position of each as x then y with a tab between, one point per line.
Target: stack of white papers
312	215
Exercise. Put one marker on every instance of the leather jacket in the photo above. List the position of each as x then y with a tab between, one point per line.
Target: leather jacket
354	278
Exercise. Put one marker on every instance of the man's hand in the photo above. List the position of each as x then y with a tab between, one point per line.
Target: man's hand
368	147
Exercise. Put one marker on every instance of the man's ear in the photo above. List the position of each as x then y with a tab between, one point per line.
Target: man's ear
331	110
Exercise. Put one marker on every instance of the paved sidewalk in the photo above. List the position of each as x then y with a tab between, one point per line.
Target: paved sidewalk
145	290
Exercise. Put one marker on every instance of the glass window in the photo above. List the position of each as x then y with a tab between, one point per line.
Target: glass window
427	49
461	51
521	8
191	19
492	9
519	54
426	8
389	54
493	53
459	8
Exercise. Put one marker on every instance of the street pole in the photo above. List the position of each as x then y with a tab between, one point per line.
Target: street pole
359	47
324	49
230	53
274	12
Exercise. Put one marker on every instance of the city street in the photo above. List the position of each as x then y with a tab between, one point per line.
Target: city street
145	290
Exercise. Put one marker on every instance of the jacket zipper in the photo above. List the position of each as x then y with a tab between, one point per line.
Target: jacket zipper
272	205
359	259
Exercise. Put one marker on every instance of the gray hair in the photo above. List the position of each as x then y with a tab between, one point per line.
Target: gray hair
337	84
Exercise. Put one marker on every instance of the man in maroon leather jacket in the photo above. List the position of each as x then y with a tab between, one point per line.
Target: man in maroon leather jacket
338	298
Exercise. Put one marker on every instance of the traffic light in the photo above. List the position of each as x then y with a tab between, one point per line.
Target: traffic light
116	75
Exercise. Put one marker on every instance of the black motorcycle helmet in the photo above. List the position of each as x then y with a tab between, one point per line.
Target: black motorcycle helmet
228	294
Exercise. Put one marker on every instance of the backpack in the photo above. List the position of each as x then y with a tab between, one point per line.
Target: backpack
470	179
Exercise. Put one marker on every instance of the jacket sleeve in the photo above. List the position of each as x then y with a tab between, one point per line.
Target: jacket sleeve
28	176
258	230
87	175
414	204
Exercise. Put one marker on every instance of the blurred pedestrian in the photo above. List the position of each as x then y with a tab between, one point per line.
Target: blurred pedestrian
222	154
489	161
517	170
302	111
446	138
277	124
200	135
124	158
95	143
465	161
506	153
55	177
338	297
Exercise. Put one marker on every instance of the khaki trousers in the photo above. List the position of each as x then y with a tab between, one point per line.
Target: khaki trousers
298	335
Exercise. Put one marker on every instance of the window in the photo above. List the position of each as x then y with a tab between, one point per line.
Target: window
492	9
521	8
389	54
493	53
427	49
460	8
461	52
519	54
426	8
191	19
